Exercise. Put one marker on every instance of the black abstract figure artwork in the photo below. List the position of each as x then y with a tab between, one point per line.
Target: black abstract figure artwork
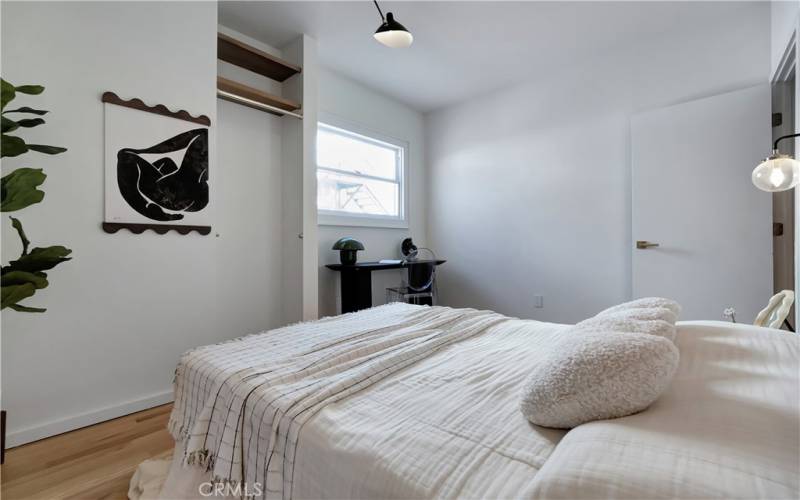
157	168
163	188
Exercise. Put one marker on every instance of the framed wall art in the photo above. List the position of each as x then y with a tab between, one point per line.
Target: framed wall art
156	168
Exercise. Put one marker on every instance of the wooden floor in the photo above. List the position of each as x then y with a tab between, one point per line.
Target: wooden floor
94	463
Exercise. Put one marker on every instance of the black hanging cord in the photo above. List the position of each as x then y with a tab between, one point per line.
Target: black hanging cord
779	139
379	10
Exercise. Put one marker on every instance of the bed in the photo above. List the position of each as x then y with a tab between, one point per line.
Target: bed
439	417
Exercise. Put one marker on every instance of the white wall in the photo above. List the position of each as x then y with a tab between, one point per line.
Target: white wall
352	102
783	15
301	301
249	159
249	254
125	308
530	186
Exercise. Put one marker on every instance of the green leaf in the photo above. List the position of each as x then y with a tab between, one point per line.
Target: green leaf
12	294
38	280
12	146
29	122
16	224
30	89
21	308
18	189
41	259
8	93
50	150
9	125
26	109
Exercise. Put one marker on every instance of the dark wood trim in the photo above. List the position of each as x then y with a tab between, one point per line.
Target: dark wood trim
247	92
2	437
245	56
159	109
113	227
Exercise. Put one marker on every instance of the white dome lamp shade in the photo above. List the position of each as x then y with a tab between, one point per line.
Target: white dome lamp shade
779	172
391	33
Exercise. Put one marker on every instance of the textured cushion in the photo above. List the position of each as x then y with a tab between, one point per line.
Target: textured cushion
651	315
645	303
594	375
653	321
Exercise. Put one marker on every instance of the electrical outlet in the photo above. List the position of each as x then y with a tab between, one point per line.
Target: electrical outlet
538	301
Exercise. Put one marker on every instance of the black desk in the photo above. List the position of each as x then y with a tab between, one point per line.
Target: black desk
357	281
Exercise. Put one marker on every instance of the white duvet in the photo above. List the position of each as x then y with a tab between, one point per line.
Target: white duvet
728	427
450	426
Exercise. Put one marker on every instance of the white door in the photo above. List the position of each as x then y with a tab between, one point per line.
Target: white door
692	195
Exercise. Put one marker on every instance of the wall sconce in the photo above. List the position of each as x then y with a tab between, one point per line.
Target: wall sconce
778	172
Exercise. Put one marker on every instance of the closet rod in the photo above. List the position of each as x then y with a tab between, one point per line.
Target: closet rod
256	104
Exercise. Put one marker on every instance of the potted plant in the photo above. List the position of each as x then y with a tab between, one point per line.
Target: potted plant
21	278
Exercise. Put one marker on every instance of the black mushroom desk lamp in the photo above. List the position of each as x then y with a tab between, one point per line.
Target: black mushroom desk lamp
348	249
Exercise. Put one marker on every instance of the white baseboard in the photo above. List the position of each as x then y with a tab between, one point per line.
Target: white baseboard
36	432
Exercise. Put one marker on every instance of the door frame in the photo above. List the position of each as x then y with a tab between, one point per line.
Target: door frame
791	61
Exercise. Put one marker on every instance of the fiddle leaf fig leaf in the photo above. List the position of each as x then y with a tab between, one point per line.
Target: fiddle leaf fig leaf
21	308
38	280
8	124
29	122
41	259
12	146
26	109
17	225
18	189
30	89
14	293
50	150
8	93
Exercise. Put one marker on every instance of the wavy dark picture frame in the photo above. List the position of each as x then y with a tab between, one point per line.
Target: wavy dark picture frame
195	140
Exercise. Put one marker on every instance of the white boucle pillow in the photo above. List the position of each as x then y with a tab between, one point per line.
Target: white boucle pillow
645	303
651	315
652	321
596	375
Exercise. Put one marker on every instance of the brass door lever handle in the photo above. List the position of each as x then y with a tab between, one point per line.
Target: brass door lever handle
644	245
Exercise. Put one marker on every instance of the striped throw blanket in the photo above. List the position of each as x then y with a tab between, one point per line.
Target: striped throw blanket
240	406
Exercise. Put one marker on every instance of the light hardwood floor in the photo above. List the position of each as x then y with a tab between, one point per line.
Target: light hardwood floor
95	462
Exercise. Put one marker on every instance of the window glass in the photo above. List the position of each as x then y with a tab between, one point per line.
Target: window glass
358	175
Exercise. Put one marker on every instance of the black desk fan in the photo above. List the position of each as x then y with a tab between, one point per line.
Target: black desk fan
408	249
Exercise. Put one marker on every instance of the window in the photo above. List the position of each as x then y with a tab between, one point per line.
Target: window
360	179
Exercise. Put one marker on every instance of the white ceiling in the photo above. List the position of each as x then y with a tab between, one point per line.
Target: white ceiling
463	49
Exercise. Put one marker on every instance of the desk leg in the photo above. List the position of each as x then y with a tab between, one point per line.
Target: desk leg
356	290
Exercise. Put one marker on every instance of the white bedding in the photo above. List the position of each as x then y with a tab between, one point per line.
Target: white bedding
728	427
241	407
450	426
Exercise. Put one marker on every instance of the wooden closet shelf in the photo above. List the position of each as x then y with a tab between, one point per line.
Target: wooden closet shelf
240	54
248	96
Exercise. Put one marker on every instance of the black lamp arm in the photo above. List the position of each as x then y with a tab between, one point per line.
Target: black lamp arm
779	139
379	10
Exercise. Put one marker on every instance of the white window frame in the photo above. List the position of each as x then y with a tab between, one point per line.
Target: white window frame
336	218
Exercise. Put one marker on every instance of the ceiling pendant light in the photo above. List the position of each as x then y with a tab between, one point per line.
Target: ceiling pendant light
778	172
391	33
